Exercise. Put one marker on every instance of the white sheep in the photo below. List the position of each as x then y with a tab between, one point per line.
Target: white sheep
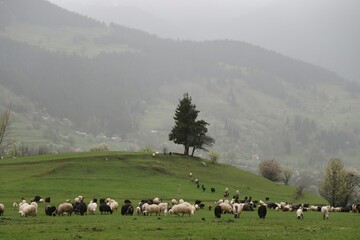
225	207
156	200
312	208
79	199
34	204
174	202
182	208
23	204
65	208
299	213
92	207
114	205
151	208
138	210
325	212
164	207
237	209
15	205
29	210
2	209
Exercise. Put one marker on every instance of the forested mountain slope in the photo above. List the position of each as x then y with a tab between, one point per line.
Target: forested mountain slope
120	81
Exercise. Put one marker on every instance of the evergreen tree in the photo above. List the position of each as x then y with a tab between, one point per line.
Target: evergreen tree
187	130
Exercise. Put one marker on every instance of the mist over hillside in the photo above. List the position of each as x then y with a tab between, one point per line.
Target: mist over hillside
117	81
321	32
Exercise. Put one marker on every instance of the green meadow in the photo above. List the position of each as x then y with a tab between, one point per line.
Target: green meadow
136	176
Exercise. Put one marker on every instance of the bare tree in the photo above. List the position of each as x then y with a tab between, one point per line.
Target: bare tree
286	175
5	122
334	186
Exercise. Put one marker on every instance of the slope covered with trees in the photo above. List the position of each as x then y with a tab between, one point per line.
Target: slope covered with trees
119	81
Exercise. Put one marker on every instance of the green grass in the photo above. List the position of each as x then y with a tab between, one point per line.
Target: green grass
203	225
135	176
131	175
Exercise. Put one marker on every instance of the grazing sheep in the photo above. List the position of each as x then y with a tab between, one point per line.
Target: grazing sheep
36	199
91	208
237	209
248	207
174	202
127	209
226	192
212	189
23	204
114	205
156	200
299	213
217	211
65	208
183	208
150	209
79	199
325	212
50	210
47	199
79	208
138	211
15	205
2	209
262	211
225	207
34	204
272	205
164	206
29	210
104	208
355	207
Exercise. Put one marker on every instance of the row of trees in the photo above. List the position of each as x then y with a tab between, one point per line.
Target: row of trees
340	186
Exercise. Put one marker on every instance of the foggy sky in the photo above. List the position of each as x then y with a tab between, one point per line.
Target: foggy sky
322	32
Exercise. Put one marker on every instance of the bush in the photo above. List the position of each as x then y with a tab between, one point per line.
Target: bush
214	157
102	147
270	169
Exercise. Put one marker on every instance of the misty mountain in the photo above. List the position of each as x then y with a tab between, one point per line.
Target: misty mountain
322	32
115	80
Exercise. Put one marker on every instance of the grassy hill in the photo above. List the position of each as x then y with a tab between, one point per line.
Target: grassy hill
134	176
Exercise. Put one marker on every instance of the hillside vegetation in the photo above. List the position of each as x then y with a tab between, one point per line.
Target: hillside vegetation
111	80
134	176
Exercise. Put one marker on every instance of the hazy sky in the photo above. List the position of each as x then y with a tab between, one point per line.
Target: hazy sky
322	32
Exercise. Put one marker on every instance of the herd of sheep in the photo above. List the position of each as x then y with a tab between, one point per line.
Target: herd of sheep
158	207
176	207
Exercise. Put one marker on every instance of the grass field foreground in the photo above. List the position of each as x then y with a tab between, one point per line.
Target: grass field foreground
136	176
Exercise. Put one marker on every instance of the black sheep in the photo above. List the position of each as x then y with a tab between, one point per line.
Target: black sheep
104	208
127	209
36	199
262	211
217	211
50	210
80	208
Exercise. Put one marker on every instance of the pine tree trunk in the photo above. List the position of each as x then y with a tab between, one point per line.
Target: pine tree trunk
186	150
193	151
